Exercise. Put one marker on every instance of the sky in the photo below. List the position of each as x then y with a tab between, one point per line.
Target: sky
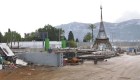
25	16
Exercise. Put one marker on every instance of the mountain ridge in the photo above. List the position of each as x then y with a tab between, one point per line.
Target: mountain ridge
126	30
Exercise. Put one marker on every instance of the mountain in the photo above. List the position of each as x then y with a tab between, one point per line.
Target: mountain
127	30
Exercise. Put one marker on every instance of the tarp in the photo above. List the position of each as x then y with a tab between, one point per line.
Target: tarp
21	62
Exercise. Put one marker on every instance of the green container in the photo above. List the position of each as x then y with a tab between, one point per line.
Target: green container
47	44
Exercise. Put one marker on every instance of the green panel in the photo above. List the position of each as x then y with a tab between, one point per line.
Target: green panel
47	44
63	43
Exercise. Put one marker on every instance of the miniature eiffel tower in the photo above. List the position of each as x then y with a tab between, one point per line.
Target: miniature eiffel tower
102	39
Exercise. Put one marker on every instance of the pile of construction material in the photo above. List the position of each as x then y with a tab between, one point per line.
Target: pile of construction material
8	58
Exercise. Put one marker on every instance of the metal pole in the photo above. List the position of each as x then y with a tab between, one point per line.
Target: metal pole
11	40
59	34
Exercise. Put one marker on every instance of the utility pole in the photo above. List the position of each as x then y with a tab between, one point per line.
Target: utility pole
59	34
11	38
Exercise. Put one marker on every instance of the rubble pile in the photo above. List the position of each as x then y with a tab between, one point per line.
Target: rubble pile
8	59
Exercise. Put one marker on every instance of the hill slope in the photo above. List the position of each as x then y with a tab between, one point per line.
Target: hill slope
127	30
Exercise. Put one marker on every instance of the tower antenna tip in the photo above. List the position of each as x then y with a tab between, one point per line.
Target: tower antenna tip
100	6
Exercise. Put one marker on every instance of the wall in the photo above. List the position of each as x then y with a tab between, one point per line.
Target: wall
35	44
43	58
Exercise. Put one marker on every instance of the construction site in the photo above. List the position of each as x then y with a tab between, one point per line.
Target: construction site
70	63
54	61
121	67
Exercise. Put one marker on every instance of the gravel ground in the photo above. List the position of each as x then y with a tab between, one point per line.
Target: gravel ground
124	67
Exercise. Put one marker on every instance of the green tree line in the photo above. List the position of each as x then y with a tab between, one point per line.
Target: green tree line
48	31
10	36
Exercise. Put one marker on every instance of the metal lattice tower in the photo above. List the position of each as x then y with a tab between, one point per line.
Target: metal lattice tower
102	39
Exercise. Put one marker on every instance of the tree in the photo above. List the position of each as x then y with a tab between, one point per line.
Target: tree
77	40
64	38
47	31
1	37
12	36
29	36
87	37
9	30
16	36
84	40
92	26
70	36
51	32
71	42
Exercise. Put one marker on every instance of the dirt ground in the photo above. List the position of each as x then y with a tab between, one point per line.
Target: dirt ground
124	67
